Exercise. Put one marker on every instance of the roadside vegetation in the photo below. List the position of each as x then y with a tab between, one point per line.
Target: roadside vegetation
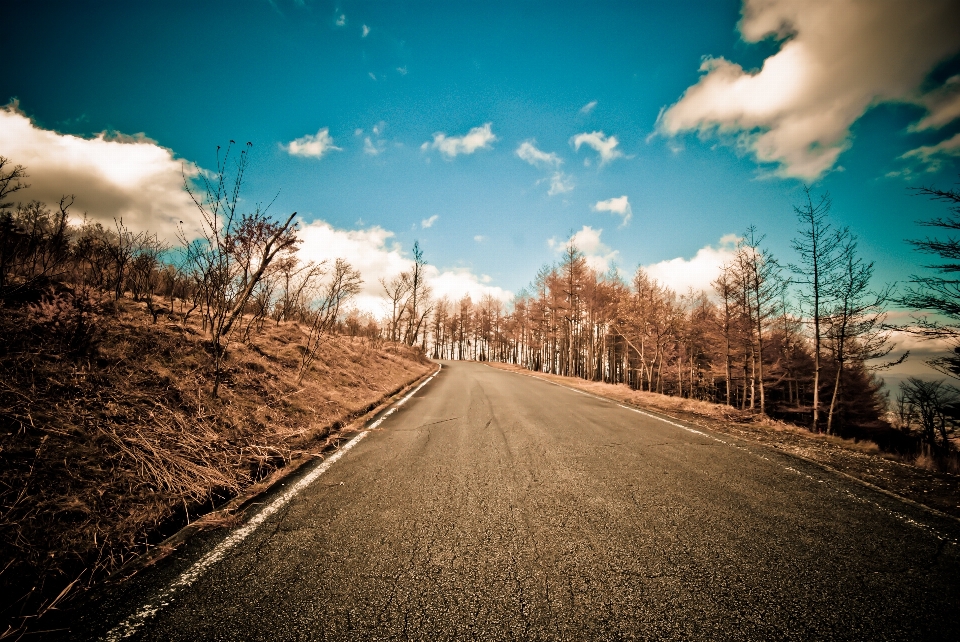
800	341
144	384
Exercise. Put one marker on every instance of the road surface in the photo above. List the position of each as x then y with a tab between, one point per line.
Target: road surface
496	506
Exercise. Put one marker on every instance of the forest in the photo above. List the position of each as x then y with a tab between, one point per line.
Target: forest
802	341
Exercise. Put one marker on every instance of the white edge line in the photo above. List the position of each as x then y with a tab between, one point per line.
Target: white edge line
896	514
140	617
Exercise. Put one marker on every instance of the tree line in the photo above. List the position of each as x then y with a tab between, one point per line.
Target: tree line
800	341
240	272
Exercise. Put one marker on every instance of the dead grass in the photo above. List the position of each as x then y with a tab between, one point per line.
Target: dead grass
101	455
917	478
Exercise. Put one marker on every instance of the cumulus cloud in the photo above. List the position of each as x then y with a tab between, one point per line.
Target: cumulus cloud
528	152
586	109
364	31
837	59
457	283
112	176
479	238
599	257
619	206
604	145
341	20
312	146
428	222
372	253
402	71
696	273
452	146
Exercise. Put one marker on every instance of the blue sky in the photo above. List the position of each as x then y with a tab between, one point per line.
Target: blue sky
702	151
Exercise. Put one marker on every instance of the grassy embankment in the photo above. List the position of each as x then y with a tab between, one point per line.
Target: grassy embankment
862	460
103	454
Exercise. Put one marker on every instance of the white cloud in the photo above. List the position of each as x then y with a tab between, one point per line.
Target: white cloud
452	146
479	238
560	183
599	257
341	20
369	147
371	252
682	274
128	177
428	222
457	283
364	31
586	109
604	145
932	156
372	75
837	59
528	151
943	106
312	146
402	71
921	350
619	206
373	145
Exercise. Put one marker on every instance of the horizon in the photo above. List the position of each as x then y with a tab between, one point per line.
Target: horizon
650	136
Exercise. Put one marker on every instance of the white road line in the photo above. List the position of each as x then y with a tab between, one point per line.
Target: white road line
895	514
134	622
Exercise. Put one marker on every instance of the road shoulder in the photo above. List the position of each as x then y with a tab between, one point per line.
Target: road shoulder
861	462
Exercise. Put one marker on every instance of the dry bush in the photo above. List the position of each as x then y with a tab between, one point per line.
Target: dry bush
101	451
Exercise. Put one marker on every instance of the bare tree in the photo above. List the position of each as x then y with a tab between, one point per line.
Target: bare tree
939	293
724	287
931	406
818	245
396	290
145	270
297	280
11	180
234	250
344	283
121	250
760	275
856	320
418	302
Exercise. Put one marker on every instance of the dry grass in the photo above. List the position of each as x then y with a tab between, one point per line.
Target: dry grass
100	454
691	407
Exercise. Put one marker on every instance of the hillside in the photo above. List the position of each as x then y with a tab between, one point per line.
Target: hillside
111	438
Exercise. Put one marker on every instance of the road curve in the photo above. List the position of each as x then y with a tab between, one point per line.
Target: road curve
495	506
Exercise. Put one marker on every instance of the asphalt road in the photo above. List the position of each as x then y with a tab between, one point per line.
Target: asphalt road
497	506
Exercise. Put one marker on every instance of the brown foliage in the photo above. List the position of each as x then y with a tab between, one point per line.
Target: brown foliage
99	451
